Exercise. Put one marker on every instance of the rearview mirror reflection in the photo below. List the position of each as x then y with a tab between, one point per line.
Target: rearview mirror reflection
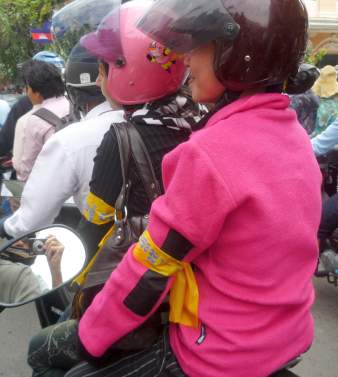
38	263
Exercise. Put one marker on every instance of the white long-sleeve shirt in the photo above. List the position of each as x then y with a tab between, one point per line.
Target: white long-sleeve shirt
62	169
327	140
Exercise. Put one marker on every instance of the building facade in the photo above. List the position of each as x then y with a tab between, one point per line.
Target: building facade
323	30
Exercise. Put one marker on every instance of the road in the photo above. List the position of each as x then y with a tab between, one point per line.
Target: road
322	359
17	325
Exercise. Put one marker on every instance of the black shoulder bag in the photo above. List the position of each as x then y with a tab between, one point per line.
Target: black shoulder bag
127	231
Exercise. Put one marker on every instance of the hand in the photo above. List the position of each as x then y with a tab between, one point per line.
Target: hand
54	251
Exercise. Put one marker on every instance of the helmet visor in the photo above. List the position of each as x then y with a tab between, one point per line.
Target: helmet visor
105	42
76	19
186	25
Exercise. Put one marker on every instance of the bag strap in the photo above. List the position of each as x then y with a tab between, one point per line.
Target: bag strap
49	117
143	163
125	154
131	145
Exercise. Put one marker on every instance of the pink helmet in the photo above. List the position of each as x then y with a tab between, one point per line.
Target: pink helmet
140	69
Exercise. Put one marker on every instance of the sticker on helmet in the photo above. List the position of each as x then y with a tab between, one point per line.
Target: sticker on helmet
85	78
161	55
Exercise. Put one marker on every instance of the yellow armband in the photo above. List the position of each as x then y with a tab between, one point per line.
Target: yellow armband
97	211
184	292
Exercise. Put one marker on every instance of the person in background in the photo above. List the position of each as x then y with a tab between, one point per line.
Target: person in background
7	132
306	106
22	106
305	102
45	90
325	142
82	90
18	283
67	156
52	58
326	88
4	111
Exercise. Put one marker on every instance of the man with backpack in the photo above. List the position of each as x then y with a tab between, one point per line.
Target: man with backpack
50	112
64	167
20	108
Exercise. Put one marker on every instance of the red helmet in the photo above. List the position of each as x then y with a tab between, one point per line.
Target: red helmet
258	44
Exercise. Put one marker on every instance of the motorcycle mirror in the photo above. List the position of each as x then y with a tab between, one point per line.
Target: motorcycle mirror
38	263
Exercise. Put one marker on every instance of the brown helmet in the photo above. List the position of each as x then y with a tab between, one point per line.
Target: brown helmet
258	43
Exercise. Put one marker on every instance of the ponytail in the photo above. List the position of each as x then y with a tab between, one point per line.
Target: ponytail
303	80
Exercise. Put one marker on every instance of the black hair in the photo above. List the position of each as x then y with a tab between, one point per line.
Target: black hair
303	80
43	78
83	96
105	66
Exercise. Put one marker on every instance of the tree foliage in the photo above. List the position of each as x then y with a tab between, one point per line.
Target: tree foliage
314	58
16	19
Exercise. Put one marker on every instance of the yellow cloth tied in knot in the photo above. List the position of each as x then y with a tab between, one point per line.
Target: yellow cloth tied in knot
81	278
184	292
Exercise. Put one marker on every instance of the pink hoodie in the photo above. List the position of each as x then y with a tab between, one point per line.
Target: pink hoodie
245	192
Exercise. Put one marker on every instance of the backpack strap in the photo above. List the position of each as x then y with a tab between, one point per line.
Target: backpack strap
50	118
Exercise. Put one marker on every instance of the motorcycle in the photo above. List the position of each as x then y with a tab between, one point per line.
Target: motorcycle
329	248
51	297
329	168
27	253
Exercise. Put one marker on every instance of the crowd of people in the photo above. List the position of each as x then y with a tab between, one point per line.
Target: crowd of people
231	243
317	111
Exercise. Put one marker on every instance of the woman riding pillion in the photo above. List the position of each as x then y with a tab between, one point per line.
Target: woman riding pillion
232	238
149	94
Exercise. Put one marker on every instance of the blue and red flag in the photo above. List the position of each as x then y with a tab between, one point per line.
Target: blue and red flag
42	35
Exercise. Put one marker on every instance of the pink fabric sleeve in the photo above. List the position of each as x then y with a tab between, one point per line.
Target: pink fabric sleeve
193	192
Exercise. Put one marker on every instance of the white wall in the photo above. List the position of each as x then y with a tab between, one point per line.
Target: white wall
322	8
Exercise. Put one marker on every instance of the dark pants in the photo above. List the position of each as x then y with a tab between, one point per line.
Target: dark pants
156	361
69	215
55	350
329	220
